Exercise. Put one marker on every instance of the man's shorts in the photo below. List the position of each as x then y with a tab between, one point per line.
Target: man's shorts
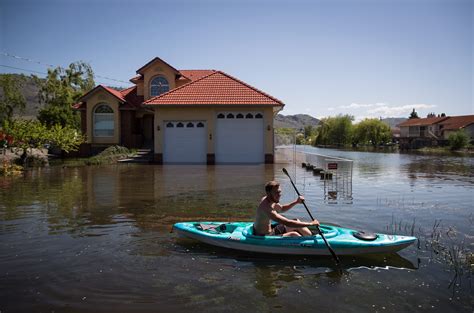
278	230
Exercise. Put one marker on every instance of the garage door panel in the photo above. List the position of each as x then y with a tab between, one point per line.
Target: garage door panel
184	144
239	140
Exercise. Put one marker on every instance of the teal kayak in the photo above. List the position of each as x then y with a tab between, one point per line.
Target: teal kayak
239	236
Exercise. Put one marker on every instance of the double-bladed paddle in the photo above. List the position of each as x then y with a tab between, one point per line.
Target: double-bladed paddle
317	226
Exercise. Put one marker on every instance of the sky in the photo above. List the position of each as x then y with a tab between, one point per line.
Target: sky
366	58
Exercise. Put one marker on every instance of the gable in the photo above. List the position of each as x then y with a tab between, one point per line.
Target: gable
156	62
105	90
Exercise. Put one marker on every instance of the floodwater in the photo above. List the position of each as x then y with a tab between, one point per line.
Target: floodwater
97	239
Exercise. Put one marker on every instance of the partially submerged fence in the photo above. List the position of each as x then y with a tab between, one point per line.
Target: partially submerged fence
335	173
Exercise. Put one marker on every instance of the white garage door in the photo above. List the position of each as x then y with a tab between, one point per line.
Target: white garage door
185	142
239	137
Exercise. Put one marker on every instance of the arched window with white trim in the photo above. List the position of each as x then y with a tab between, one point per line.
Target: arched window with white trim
158	86
103	121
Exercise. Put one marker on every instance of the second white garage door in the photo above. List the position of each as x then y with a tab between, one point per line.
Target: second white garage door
185	142
239	137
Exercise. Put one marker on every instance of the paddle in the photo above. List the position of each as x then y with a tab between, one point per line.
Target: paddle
317	226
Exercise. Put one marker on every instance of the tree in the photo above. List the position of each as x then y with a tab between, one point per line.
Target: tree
29	134
60	90
413	114
11	98
334	130
458	139
371	131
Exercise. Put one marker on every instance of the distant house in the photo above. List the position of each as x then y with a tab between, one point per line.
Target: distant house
455	123
183	116
433	130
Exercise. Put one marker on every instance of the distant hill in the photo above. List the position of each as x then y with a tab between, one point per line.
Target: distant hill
393	121
295	121
30	92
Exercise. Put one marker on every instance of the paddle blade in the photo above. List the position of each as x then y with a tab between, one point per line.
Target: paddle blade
285	171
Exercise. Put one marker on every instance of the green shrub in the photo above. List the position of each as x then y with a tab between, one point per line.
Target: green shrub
458	140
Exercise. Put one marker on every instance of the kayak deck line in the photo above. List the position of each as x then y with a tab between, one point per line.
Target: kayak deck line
239	235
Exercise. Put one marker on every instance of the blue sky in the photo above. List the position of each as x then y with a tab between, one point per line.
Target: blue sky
367	58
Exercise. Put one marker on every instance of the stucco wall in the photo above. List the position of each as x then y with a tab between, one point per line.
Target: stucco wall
93	100
208	114
157	69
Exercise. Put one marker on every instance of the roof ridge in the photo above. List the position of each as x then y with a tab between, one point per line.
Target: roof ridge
250	86
131	87
153	60
180	87
117	94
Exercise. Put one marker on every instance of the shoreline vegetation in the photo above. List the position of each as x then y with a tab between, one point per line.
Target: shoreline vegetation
10	159
394	148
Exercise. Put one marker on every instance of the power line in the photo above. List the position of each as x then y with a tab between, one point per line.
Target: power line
22	69
32	71
50	65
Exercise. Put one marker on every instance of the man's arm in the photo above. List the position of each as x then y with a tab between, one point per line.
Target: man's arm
275	216
288	206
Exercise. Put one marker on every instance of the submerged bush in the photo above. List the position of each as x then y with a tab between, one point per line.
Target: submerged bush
110	155
458	140
9	169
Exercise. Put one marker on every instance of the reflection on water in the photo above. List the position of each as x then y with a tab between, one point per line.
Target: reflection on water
96	239
272	272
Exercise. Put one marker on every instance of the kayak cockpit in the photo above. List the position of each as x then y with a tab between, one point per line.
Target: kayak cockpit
328	232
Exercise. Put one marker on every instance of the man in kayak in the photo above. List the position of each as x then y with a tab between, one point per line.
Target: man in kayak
270	209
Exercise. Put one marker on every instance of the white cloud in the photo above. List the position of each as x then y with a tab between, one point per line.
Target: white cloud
331	109
361	105
397	111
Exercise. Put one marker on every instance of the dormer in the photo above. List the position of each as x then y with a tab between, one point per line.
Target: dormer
155	78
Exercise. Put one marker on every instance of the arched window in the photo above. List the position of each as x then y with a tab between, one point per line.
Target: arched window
230	115
103	121
200	124
249	115
180	125
240	115
258	115
221	115
190	125
170	125
158	86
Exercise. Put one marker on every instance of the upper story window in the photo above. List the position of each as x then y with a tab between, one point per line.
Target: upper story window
103	121
158	86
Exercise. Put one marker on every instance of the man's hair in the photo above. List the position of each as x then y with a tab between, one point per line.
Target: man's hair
270	185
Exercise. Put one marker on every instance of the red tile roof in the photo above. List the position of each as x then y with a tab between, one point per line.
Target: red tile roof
422	121
131	98
136	78
127	96
457	122
195	74
217	88
115	92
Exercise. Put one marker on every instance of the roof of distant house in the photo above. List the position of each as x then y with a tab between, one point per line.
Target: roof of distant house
457	122
216	88
422	121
